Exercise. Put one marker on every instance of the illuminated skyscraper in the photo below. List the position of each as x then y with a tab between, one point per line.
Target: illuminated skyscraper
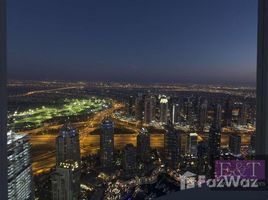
163	109
235	144
192	144
67	145
107	143
149	104
172	146
129	160
66	179
143	145
175	114
20	180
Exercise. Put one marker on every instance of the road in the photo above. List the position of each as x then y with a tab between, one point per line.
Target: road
43	145
46	91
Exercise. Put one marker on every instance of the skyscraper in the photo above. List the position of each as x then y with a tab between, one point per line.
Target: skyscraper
217	114
66	179
143	145
131	106
243	115
214	140
139	107
192	144
172	146
235	144
20	180
149	113
201	157
163	109
107	143
228	113
189	110
175	114
214	144
129	160
67	145
203	115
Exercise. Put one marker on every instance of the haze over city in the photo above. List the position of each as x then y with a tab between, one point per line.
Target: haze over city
187	41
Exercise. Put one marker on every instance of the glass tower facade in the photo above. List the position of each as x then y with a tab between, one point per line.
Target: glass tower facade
20	179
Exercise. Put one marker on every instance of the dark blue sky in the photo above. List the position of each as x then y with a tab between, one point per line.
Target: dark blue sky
206	41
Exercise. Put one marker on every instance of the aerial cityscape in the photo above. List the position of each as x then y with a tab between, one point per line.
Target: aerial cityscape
127	100
119	141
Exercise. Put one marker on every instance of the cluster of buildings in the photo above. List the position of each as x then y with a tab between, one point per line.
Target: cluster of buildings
190	110
135	160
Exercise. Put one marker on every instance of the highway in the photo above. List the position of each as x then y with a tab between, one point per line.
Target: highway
46	91
43	145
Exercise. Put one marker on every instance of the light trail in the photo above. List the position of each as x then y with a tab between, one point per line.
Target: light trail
47	91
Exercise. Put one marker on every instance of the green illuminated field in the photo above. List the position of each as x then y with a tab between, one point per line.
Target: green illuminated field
70	107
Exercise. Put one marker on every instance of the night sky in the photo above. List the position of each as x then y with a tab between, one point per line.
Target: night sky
144	41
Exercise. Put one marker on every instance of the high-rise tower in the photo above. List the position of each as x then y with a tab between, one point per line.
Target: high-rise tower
163	109
172	146
107	143
20	180
66	179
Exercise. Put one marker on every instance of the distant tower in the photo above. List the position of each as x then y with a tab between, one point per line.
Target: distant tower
189	110
163	109
197	104
129	160
20	180
139	106
175	114
143	145
192	144
130	106
172	146
201	157
203	115
107	143
228	113
235	144
66	179
214	144
243	115
149	103
217	114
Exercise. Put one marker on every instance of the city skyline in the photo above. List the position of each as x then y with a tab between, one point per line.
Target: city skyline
140	42
135	99
128	136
